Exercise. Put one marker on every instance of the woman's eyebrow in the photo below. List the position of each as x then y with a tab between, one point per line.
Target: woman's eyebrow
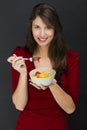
34	24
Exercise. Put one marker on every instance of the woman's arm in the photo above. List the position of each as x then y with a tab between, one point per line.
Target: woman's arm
20	94
68	100
62	98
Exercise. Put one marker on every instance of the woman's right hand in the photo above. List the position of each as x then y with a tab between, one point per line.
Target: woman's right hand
18	63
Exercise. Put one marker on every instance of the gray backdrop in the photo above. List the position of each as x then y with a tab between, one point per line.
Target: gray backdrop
13	18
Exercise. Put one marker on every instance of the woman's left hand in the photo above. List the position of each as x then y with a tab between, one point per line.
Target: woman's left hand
42	86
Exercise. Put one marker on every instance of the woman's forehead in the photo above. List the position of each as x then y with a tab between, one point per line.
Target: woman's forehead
39	21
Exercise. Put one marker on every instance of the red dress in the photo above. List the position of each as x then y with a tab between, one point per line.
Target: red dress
42	112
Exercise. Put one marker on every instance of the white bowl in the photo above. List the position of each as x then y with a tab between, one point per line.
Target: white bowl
44	81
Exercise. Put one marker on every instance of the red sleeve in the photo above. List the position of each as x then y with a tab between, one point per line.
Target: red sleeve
73	74
19	51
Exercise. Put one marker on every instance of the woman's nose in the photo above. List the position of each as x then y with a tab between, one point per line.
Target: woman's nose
42	33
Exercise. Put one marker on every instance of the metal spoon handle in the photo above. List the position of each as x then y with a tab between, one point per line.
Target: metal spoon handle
33	59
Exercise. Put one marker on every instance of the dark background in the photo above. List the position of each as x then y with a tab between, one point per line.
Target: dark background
13	19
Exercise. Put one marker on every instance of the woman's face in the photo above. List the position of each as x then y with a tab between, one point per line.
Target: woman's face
42	34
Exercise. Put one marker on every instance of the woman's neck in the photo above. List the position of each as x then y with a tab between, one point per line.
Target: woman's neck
42	52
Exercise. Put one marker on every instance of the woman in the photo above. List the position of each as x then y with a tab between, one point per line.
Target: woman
44	108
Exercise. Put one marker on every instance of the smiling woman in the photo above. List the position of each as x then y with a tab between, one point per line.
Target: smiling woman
41	32
44	108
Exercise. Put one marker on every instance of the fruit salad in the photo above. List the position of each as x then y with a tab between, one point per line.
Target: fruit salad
43	74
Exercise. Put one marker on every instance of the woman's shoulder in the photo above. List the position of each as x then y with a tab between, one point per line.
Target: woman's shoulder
72	56
72	53
20	50
17	49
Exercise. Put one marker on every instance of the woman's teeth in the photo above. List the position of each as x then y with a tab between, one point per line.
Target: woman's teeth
42	39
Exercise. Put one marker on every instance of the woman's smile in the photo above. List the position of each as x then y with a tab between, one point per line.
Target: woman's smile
42	34
43	40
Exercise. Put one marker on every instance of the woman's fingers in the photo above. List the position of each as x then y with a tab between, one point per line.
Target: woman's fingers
35	85
18	63
43	87
54	81
14	59
11	58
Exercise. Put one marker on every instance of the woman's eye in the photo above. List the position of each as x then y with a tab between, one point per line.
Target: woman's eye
49	27
36	27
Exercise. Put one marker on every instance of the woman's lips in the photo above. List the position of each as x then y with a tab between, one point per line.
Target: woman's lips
42	39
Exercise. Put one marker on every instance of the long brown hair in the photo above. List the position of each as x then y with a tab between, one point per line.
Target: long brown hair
57	48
